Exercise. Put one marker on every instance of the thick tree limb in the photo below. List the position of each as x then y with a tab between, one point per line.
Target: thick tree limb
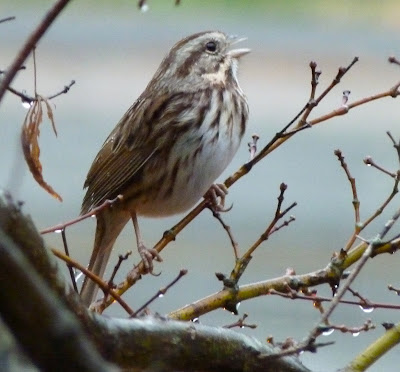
49	333
40	312
169	345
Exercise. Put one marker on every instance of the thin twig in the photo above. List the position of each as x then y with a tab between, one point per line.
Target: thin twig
379	211
134	275
365	303
356	201
242	263
314	103
370	162
361	263
34	71
12	18
297	350
270	230
392	92
103	285
396	145
30	43
240	323
161	292
314	80
26	98
394	60
396	290
93	212
298	296
367	326
70	268
228	230
65	90
121	258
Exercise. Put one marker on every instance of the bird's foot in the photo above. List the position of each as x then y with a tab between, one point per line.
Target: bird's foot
216	196
148	255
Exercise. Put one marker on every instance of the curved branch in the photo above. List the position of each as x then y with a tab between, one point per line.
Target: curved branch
171	345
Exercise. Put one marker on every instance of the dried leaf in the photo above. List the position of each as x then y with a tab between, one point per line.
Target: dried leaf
30	141
50	115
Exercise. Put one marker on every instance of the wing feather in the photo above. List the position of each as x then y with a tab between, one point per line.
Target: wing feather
129	146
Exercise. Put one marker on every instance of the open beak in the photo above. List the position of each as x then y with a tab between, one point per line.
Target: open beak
237	53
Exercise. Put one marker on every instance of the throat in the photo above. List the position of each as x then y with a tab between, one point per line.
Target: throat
220	76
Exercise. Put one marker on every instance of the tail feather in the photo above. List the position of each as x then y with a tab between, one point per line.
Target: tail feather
110	223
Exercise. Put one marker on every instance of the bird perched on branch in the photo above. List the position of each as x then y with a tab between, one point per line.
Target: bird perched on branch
170	146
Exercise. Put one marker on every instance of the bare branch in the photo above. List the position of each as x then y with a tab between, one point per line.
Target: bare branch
93	212
103	285
161	292
30	44
12	18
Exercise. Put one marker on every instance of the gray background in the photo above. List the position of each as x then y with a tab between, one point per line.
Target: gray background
112	50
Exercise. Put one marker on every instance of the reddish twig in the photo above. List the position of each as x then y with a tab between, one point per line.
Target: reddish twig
360	264
295	295
396	145
367	326
93	212
228	230
103	285
273	144
365	304
356	201
371	163
240	323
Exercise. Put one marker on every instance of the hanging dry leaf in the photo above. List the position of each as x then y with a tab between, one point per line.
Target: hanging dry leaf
30	141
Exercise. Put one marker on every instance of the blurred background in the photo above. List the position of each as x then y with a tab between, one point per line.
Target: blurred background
112	49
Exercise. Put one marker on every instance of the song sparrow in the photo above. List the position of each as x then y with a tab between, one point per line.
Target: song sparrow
170	146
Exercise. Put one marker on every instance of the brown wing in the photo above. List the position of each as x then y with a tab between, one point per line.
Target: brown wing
123	153
129	146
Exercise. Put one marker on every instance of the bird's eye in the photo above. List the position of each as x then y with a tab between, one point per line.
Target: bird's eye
211	46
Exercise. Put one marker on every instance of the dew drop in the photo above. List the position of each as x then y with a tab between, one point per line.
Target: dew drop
59	231
367	309
26	104
78	276
93	215
328	332
160	295
355	334
144	8
195	320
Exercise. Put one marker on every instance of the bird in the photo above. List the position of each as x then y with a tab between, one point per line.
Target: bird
170	146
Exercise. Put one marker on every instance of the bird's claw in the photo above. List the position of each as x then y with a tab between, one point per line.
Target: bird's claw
148	255
218	191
